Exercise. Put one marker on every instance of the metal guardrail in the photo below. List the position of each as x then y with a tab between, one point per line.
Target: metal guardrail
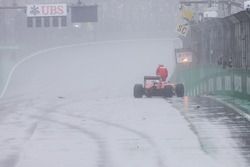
12	7
228	2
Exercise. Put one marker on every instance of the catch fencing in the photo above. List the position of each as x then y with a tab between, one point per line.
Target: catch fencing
222	41
221	57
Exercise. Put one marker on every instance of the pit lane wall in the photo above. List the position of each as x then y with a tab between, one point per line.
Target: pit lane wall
205	80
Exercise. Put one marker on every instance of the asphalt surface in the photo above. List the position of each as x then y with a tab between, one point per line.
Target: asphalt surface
222	132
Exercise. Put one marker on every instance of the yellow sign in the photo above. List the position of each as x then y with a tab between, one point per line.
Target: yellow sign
187	14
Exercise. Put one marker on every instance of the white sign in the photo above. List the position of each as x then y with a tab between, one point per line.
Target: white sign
184	57
211	85
182	29
219	83
228	83
237	83
43	10
210	14
247	5
248	85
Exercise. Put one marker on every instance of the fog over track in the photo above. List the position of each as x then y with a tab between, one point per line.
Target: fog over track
74	106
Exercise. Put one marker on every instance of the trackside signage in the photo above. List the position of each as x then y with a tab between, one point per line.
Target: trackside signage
184	57
43	10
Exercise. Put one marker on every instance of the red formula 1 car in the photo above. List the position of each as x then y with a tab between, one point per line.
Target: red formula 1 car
154	86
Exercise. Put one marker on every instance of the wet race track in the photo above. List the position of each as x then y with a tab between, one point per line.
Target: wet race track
154	137
55	117
222	132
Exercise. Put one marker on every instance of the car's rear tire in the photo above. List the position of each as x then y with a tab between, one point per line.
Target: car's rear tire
138	91
168	91
179	90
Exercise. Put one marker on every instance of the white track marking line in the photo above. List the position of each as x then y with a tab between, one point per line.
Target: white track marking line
67	46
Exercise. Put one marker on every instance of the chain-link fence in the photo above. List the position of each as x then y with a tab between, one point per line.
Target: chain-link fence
222	41
221	52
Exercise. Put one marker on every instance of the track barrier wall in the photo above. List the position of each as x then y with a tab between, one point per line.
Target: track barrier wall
202	80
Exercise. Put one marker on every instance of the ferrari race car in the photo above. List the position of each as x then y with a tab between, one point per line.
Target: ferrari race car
154	86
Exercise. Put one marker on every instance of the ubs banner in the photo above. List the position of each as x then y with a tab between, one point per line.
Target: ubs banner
43	10
45	15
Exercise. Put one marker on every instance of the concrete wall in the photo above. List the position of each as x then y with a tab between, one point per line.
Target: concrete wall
202	80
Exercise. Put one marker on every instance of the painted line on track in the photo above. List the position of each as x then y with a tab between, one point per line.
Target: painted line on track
241	112
67	46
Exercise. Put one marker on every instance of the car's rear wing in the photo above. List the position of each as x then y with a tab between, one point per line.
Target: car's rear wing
152	78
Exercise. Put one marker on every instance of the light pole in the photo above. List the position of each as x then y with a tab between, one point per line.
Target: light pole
243	52
210	3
